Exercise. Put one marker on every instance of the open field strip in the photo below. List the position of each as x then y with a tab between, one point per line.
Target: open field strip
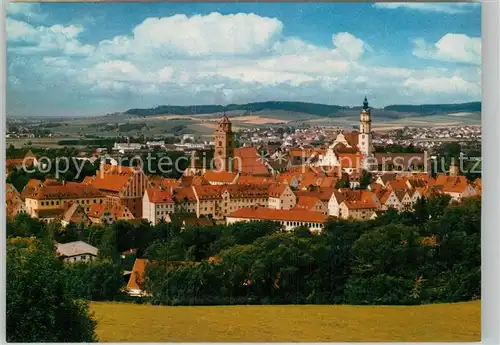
123	322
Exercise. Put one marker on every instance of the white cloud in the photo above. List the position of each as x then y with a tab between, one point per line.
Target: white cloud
43	39
231	58
452	48
30	11
199	35
348	45
449	8
453	85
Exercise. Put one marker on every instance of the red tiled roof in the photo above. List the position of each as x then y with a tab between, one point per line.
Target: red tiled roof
96	210
384	194
188	181
322	193
158	196
185	193
399	184
263	213
65	190
249	179
137	274
247	191
219	176
208	192
247	160
352	138
307	202
276	189
121	211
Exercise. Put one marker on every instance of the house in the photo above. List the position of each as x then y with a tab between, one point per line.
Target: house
101	214
75	214
122	185
334	203
289	219
218	201
235	197
185	200
358	209
56	197
13	202
137	278
281	197
405	198
383	179
388	199
458	189
29	160
122	212
356	204
156	204
311	203
163	183
220	177
76	251
32	185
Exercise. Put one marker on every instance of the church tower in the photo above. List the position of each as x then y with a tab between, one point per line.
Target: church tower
365	130
224	144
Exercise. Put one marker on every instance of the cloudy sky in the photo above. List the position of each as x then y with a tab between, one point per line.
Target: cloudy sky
89	59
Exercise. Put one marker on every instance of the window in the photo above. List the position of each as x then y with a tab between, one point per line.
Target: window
43	203
84	257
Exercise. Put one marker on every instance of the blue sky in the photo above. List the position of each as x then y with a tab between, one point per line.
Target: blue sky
88	59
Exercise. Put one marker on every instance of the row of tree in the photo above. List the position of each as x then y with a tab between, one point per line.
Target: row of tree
429	255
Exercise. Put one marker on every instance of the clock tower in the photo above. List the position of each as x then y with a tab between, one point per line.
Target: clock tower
224	144
365	130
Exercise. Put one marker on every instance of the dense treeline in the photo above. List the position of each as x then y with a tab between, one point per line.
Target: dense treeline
431	109
301	107
426	256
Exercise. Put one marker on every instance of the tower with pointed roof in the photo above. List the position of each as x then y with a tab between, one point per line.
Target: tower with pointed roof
224	144
365	130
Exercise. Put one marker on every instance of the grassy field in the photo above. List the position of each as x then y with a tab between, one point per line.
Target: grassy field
121	322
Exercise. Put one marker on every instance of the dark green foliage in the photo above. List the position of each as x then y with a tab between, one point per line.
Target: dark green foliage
39	306
366	179
431	254
99	280
431	109
301	107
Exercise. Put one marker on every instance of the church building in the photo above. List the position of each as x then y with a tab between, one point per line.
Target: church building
349	149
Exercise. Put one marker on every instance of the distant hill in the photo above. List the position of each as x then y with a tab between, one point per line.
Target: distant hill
394	111
431	109
299	107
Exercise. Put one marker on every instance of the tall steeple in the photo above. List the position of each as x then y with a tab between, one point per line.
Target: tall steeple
365	129
365	104
224	144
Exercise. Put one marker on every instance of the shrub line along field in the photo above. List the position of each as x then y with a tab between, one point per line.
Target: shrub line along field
127	322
